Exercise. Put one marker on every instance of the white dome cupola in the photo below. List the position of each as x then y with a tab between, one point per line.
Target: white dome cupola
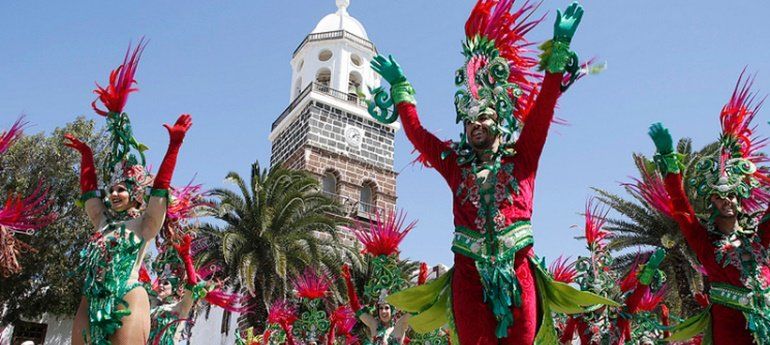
335	55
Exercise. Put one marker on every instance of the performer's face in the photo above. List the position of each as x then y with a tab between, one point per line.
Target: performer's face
479	132
164	289
120	198
725	206
383	311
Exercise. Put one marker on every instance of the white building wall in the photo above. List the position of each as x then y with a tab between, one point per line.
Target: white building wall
209	330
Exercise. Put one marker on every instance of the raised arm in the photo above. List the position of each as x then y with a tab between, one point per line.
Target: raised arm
192	290
555	60
401	327
91	196
427	144
156	207
369	321
670	167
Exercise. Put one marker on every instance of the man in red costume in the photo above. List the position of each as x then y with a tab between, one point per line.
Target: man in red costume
732	242
492	286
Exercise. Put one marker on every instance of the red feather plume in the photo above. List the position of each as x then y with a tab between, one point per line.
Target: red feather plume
650	300
594	228
21	215
283	314
737	114
310	285
562	271
383	236
651	189
115	95
13	134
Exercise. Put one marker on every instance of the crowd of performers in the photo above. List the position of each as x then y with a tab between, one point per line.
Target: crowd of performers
498	291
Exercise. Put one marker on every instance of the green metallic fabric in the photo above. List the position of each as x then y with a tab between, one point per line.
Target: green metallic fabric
386	275
107	261
503	244
165	321
558	297
755	306
382	106
122	141
698	324
669	163
93	194
493	253
160	193
431	304
313	323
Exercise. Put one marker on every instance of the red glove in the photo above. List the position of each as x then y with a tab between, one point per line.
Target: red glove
87	169
422	277
176	135
183	249
352	296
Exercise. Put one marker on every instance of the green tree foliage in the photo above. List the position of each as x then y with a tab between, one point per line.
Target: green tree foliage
640	225
48	282
274	226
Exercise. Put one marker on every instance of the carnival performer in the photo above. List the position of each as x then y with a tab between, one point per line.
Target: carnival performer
115	308
595	273
20	215
381	239
492	289
383	329
732	242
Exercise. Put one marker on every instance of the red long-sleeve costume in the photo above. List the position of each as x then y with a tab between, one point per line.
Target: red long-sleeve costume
474	320
728	325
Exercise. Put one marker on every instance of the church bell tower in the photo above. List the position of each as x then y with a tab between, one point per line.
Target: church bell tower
326	129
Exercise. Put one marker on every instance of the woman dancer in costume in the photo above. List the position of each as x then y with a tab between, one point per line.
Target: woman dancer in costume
381	240
115	308
174	309
492	291
382	329
732	242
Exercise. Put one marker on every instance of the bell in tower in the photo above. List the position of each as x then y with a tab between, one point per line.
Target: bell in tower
326	129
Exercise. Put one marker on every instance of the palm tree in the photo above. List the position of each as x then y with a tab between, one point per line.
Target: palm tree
644	224
275	226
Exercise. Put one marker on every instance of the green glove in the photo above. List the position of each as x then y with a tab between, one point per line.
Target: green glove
662	138
651	267
388	68
567	23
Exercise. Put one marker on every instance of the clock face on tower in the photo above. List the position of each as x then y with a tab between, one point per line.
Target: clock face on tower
354	136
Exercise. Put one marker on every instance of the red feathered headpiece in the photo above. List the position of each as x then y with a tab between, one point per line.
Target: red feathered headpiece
495	44
115	95
384	236
594	229
311	285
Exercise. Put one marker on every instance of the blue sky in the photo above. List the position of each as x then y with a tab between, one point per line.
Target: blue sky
227	64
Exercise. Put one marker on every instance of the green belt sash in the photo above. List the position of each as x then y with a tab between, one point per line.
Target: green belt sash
737	297
755	306
502	245
493	253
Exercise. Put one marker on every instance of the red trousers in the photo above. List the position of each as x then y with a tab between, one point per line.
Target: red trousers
475	321
729	326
